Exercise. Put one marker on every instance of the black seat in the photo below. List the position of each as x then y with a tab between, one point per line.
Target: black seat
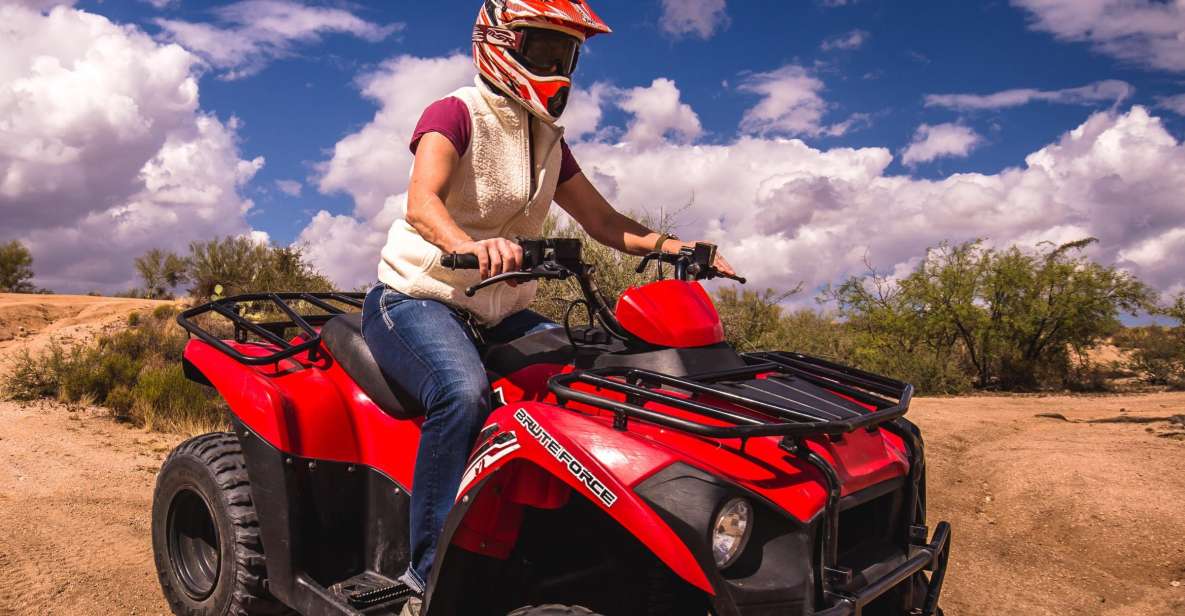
550	346
342	335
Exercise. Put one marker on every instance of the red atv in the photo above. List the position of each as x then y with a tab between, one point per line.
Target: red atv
633	465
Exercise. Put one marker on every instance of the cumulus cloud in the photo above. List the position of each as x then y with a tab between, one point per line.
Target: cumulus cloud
701	18
939	141
1108	91
658	113
790	105
785	212
584	112
851	40
41	5
251	33
106	152
1143	32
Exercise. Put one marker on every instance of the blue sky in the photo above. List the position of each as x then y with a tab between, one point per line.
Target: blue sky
804	137
298	107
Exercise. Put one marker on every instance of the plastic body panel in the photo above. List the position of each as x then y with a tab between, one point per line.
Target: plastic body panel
670	313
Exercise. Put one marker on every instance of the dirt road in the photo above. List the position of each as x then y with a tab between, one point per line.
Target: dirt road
1051	516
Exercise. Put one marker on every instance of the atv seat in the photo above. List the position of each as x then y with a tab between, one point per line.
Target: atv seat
342	335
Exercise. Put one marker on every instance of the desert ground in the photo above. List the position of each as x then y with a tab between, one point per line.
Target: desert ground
1081	511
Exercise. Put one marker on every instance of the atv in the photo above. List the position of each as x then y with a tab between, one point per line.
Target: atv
634	463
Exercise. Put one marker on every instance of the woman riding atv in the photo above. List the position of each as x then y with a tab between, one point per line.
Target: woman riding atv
489	161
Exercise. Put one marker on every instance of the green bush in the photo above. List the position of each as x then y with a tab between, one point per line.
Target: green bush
135	372
16	268
163	399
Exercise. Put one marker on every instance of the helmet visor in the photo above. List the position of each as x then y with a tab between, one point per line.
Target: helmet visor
548	52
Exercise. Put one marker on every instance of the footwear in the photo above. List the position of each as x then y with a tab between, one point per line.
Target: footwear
412	607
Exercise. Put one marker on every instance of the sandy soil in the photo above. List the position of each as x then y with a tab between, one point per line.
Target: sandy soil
1052	515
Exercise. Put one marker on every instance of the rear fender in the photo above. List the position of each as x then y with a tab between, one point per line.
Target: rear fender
534	454
282	402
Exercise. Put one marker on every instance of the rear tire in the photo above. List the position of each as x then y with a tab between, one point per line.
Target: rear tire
205	534
553	610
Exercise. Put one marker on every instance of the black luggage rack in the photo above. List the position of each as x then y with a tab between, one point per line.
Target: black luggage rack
271	332
802	413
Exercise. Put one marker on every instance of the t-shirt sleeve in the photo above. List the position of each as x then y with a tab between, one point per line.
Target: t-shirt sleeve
568	165
449	117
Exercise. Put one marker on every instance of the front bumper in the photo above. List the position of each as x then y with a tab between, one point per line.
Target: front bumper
931	557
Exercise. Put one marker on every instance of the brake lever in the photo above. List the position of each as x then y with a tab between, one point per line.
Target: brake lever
526	276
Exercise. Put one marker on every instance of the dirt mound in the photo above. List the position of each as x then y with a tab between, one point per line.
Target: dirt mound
31	321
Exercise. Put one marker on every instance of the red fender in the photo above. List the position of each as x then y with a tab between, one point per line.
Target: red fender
555	451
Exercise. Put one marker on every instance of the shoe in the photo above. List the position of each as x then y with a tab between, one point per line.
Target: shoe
412	607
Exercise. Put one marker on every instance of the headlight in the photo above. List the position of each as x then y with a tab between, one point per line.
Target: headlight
731	530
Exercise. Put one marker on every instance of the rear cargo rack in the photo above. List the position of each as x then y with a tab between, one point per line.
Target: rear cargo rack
776	394
269	332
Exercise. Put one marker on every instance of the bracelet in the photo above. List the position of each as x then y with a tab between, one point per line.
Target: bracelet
662	239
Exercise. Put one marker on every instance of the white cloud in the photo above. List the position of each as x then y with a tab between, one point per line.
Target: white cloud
252	33
292	188
658	112
160	4
848	41
700	18
939	141
1142	32
584	112
1176	103
790	104
836	3
1107	91
106	152
784	212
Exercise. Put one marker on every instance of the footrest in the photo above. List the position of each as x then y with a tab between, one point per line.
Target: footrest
369	589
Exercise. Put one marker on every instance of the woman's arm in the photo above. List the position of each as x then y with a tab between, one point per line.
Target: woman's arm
606	225
436	158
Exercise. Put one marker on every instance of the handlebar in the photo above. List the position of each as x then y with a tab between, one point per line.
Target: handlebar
456	261
693	263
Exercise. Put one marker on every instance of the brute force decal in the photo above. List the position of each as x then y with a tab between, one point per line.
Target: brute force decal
557	451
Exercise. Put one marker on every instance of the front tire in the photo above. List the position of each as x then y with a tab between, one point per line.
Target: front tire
205	534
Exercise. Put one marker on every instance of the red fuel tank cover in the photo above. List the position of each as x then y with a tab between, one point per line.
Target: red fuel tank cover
670	313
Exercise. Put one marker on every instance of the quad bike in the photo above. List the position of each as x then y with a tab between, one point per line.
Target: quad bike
635	464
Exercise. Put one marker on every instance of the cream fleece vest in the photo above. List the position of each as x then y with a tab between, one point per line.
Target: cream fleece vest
500	188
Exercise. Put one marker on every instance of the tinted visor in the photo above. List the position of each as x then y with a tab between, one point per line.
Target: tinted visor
548	52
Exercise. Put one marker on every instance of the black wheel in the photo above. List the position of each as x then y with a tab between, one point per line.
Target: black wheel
553	610
205	534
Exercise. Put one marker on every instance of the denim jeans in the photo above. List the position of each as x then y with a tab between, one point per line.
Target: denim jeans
429	350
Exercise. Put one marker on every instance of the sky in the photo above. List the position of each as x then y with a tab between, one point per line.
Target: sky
807	138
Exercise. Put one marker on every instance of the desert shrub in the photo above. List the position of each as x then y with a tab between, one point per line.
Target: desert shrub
1008	318
16	268
1157	354
135	372
31	377
133	319
163	399
161	272
233	265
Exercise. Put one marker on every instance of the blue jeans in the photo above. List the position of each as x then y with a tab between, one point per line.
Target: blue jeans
429	350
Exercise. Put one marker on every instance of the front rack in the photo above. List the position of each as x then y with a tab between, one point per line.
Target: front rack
794	397
271	332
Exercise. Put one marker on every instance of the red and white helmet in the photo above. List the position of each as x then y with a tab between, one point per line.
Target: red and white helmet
529	48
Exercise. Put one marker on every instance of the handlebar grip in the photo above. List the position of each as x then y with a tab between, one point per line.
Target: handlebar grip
457	261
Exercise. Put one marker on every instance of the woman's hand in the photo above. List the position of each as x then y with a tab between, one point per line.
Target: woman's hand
494	256
721	264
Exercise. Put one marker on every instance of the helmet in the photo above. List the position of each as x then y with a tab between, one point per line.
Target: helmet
529	48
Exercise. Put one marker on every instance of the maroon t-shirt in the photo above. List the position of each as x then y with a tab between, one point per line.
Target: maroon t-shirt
450	117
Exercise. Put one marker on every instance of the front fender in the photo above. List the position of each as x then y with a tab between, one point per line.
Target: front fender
550	452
